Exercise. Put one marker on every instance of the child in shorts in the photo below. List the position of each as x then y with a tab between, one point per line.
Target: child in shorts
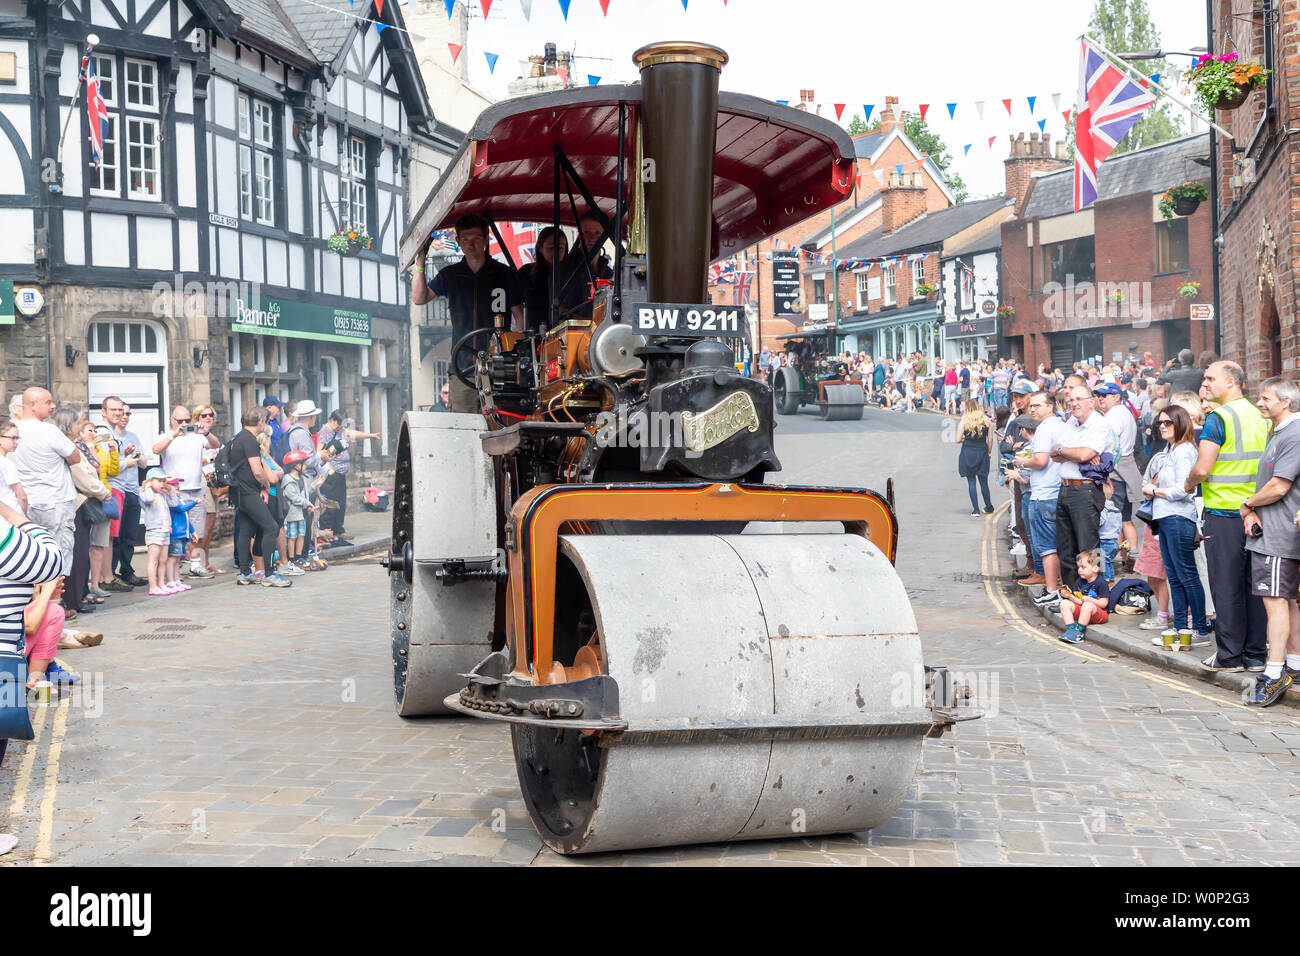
157	527
294	494
1086	604
181	536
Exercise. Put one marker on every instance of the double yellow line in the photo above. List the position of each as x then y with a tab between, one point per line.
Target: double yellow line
23	778
991	570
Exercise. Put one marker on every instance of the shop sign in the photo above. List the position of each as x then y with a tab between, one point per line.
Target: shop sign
785	286
817	312
972	328
6	302
299	320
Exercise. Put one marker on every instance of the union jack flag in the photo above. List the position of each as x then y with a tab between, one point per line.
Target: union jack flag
1109	104
720	273
743	282
967	278
521	238
96	111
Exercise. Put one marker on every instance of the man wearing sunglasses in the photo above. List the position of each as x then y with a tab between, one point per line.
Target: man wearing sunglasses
182	457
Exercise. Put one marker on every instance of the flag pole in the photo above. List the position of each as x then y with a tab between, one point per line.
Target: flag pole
91	41
1133	71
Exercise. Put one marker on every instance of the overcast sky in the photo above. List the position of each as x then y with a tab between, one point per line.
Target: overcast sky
938	51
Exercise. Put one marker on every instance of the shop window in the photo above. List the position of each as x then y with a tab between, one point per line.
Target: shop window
365	420
1074	257
1171	246
328	392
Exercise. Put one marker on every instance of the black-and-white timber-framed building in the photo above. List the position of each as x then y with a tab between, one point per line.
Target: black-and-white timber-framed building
192	265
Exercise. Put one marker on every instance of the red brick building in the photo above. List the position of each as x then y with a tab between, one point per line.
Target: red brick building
1259	191
1103	283
882	150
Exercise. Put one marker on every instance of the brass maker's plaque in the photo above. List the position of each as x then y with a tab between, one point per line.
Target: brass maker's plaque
703	430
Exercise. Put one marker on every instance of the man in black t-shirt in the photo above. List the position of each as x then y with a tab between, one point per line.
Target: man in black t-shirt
478	289
251	485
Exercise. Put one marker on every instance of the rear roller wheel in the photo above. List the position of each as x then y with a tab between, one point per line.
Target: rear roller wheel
797	643
438	632
785	390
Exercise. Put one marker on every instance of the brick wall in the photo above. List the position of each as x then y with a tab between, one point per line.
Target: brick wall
1259	256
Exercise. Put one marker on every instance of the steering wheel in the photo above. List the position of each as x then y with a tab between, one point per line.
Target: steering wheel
456	350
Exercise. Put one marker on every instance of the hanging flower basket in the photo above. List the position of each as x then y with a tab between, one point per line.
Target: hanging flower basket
1006	312
348	243
925	291
1222	82
1189	289
1182	199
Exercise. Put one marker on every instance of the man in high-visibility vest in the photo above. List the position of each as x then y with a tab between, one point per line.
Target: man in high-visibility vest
1232	443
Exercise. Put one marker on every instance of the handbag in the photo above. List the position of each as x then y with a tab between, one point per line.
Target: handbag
15	721
109	507
1146	513
92	512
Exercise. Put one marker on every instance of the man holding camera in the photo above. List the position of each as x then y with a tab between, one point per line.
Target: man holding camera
1273	539
181	454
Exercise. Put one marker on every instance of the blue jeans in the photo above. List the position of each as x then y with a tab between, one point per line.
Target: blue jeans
1109	548
1177	538
999	397
1040	516
984	487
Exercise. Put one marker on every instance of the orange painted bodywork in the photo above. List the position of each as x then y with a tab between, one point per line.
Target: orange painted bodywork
535	538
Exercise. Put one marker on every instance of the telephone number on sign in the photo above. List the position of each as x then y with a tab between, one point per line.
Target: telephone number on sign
344	324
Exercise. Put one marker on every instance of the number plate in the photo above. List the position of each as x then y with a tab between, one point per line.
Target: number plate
694	321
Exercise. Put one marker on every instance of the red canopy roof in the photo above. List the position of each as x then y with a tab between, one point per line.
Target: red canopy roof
773	166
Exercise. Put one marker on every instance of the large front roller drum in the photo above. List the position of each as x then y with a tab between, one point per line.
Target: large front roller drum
444	509
844	403
742	628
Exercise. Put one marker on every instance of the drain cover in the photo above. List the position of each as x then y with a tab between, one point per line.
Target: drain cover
159	637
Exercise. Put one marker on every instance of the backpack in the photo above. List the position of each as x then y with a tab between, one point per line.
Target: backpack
222	474
280	447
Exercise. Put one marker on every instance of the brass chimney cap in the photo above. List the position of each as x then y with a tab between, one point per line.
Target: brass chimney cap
680	51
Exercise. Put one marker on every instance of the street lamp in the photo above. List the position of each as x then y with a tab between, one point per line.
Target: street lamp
1160	54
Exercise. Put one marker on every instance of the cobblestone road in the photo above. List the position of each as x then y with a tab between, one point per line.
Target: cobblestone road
256	726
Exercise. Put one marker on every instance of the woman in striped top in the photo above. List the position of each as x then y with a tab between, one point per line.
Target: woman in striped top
29	555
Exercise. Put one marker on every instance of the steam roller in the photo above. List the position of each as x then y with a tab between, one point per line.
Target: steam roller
683	651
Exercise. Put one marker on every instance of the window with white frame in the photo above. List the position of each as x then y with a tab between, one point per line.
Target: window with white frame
862	291
356	183
282	355
966	282
918	272
129	88
383	422
256	160
232	352
891	287
365	361
328	392
104	180
143	157
367	446
235	400
382	354
259	353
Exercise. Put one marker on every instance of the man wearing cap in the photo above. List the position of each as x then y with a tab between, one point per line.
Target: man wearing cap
274	410
181	454
1126	479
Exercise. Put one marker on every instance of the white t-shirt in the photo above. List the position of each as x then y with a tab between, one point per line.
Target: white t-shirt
1045	483
1124	425
8	477
39	461
183	459
1095	434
